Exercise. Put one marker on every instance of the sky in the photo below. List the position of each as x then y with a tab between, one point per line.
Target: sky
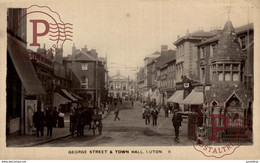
127	31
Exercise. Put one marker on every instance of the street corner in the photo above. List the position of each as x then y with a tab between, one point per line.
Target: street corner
218	130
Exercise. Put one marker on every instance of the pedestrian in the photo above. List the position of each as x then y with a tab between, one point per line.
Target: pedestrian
115	103
38	120
49	122
154	116
143	112
132	103
166	111
55	116
176	122
107	106
60	119
116	114
99	126
147	115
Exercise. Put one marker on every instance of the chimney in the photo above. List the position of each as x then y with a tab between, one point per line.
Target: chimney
93	53
73	49
59	55
164	48
85	49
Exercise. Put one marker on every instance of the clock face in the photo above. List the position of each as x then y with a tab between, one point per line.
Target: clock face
186	85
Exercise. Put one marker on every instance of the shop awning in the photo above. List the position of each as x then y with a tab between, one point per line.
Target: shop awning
76	96
68	95
24	67
58	99
194	98
177	97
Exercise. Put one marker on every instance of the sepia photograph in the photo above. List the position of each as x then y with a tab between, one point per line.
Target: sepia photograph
139	73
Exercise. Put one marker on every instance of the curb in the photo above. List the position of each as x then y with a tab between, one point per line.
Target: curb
54	139
46	141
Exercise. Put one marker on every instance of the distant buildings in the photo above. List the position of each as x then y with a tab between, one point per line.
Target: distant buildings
119	86
193	67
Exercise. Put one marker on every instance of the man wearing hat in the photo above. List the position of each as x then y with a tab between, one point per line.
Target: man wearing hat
176	122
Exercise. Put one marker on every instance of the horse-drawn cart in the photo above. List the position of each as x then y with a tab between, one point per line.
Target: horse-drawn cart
82	117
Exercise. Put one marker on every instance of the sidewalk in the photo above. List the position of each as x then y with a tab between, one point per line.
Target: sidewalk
16	140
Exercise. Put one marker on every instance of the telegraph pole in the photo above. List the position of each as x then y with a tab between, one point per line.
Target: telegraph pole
96	102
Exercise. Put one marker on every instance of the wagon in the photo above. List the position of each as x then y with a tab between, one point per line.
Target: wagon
85	117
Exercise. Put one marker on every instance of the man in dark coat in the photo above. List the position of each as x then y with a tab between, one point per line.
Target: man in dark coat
38	120
176	122
147	115
116	114
49	122
55	116
154	116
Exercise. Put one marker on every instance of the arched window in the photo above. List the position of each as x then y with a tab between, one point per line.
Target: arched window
84	82
220	77
235	77
227	77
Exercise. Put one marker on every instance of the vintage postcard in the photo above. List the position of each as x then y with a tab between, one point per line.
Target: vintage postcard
134	79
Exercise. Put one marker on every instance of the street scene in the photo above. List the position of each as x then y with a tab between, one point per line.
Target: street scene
196	88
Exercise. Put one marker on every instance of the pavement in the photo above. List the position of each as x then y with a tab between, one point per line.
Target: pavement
15	140
130	122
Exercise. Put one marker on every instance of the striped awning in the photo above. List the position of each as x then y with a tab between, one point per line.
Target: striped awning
177	97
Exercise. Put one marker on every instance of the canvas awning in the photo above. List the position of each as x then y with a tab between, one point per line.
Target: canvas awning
194	98
76	96
68	95
58	99
177	97
23	66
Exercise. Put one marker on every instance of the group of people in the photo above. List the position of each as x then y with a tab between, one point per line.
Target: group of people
49	119
147	113
151	111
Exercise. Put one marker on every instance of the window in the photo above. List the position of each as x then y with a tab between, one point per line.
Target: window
118	86
202	77
84	66
202	52
235	77
227	77
84	82
242	41
220	77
